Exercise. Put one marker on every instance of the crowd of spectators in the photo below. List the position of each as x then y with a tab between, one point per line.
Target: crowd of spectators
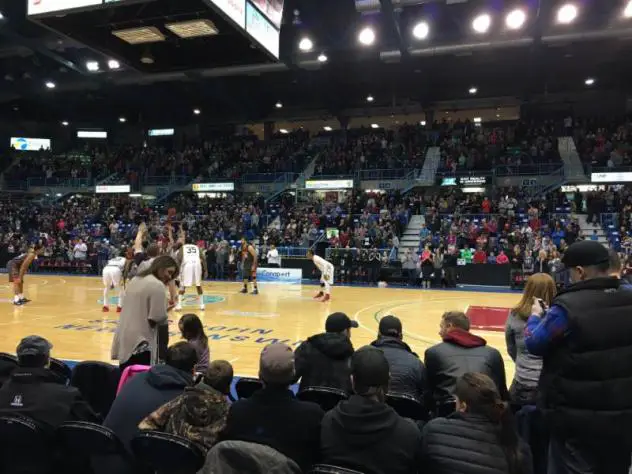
603	143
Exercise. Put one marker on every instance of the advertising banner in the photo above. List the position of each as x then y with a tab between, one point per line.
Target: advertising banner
289	276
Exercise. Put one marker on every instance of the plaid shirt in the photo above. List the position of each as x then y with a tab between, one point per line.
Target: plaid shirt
541	333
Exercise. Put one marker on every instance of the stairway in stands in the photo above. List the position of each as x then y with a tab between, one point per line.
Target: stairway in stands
410	237
428	172
588	229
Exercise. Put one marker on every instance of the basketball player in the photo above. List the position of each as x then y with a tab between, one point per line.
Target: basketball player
192	269
17	268
249	260
326	276
113	278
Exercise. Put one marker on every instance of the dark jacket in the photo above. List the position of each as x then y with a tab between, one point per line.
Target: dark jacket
465	443
408	373
323	361
586	377
39	394
239	457
143	394
274	417
199	415
370	437
459	353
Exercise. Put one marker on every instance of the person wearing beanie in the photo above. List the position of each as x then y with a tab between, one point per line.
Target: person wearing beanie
364	433
408	373
272	416
585	341
323	359
460	352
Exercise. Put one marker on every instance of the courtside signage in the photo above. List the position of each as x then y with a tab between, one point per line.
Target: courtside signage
38	7
212	187
234	9
329	184
290	276
616	177
113	188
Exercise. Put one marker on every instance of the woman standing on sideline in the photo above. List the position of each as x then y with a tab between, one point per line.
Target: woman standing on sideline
524	387
479	438
427	267
438	267
136	338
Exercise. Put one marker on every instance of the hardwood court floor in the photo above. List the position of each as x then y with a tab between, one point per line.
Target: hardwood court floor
67	311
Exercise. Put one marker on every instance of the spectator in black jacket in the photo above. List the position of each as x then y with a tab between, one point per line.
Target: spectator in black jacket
364	433
479	438
272	416
407	371
323	360
449	265
34	391
459	353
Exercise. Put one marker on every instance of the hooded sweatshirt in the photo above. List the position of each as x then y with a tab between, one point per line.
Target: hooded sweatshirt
370	437
323	361
459	353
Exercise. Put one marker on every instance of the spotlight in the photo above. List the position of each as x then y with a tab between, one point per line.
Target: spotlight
305	44
64	123
369	98
322	58
278	105
367	36
327	129
627	13
422	123
477	120
589	82
1	16
92	66
283	131
122	119
375	125
515	19
482	23
51	85
567	14
114	64
472	91
197	111
421	30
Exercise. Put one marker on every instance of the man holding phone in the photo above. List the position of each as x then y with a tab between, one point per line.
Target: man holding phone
585	340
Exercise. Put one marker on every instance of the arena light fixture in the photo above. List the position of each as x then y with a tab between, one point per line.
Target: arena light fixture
421	30
627	12
65	123
366	36
144	34
369	98
589	81
197	111
122	119
278	105
322	58
114	64
516	19
50	84
422	123
567	14
327	128
375	125
92	66
1	16
193	28
472	91
481	23
305	44
477	120
283	131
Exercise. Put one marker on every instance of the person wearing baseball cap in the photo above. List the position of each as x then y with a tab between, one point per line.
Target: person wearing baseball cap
585	340
408	373
323	359
364	433
35	391
272	416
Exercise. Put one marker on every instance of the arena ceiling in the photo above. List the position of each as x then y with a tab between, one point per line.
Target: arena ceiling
236	84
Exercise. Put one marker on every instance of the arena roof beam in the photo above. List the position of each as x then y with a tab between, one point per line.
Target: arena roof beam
391	18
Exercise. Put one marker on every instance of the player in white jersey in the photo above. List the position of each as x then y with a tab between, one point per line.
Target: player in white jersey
326	276
192	270
112	279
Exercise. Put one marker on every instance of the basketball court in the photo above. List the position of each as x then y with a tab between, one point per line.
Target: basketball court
67	311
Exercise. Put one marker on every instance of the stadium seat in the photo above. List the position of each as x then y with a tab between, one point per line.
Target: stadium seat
245	387
86	443
8	362
167	454
130	372
407	406
329	469
326	397
25	446
60	369
97	382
